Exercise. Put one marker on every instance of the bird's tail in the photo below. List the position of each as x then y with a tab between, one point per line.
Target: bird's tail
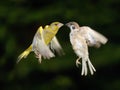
84	66
25	53
91	67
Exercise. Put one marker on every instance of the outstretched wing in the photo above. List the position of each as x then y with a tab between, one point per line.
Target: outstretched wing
92	37
39	46
55	46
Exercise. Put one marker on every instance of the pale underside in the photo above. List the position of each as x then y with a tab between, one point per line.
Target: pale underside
80	40
44	41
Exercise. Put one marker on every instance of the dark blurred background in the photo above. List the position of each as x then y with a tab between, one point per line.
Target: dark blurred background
19	20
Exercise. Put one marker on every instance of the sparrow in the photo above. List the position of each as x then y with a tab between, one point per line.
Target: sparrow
43	41
81	37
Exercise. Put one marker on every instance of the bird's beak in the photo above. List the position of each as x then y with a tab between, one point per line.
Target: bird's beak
67	24
60	24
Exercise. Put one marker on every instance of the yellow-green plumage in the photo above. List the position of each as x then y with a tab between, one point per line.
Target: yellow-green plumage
49	33
43	37
25	53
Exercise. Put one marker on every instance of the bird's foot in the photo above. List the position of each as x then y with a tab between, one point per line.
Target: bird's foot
78	62
39	57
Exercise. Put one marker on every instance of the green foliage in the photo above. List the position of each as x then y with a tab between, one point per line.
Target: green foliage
19	20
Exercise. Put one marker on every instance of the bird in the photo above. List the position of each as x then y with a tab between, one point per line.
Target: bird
43	42
81	37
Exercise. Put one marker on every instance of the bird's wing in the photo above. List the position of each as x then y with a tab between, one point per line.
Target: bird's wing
48	34
39	45
92	37
55	46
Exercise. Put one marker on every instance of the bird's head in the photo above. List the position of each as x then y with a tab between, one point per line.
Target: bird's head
56	24
72	25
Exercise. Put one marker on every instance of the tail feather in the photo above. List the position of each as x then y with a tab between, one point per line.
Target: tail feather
25	53
91	67
84	66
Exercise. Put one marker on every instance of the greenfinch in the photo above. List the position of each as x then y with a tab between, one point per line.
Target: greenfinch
43	42
81	37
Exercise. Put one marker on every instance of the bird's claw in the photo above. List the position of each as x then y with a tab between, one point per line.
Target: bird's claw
39	57
78	62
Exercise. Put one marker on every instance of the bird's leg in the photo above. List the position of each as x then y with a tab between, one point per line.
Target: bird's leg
78	62
38	55
40	58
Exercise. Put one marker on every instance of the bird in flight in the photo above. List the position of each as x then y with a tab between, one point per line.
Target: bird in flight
81	37
44	40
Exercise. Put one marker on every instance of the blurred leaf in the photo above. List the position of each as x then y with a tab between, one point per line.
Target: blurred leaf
10	46
2	32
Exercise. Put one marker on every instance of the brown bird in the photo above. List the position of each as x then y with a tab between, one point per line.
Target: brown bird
81	38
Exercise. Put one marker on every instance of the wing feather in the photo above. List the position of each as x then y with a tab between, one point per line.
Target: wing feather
55	46
93	38
48	34
39	46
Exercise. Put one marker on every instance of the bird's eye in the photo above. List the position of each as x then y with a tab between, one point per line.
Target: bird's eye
55	24
73	27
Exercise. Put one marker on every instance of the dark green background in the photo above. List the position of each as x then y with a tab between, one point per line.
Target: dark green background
19	20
